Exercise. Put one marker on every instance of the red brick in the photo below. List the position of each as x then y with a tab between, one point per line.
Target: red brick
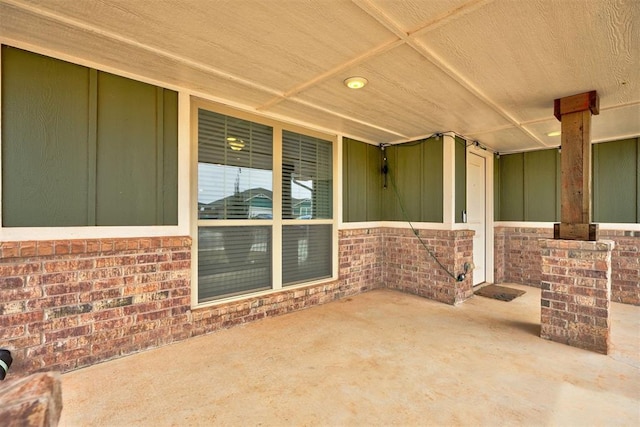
45	248
10	283
28	249
9	249
67	332
13	331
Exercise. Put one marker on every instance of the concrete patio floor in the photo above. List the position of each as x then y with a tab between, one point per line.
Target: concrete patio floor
379	358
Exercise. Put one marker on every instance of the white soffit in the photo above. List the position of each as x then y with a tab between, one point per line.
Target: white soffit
487	69
525	54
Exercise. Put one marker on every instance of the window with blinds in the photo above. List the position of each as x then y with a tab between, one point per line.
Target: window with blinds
307	182
235	182
236	221
233	260
235	176
306	253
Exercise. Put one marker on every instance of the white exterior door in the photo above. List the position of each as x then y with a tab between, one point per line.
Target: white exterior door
477	213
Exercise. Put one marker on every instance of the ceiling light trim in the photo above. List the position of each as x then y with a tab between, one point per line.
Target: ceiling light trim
355	82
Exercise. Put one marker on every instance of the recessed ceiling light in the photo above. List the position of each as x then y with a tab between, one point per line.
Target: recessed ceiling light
355	82
554	133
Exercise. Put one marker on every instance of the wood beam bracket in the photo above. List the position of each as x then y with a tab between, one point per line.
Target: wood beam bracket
586	232
576	103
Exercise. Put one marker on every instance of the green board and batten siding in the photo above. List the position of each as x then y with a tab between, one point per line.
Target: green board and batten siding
616	183
527	185
33	139
414	171
362	179
511	188
541	183
83	147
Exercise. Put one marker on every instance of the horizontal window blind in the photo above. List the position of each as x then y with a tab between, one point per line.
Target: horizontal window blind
306	253
235	158
233	260
307	177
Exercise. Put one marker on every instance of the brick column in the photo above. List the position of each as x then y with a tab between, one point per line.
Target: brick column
576	293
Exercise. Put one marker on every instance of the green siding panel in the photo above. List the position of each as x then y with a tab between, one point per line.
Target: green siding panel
432	180
527	185
511	187
45	106
127	152
355	181
408	183
81	147
169	184
615	181
460	178
390	207
414	172
540	185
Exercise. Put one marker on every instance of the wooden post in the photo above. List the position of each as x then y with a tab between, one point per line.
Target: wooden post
574	113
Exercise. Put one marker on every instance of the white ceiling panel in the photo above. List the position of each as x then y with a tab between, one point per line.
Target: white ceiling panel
407	93
525	54
486	69
616	123
106	53
415	15
275	43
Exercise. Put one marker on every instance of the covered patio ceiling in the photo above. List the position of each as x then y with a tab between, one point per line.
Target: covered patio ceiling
486	69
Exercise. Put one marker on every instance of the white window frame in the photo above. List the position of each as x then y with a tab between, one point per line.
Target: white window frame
277	222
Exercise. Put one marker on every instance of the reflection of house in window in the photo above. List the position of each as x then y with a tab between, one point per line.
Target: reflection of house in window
302	208
258	203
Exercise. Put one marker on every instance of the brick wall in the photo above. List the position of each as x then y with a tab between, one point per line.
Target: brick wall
517	252
518	260
409	268
625	266
73	303
65	304
576	293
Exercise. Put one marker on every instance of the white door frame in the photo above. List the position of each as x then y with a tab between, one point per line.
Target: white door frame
489	231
